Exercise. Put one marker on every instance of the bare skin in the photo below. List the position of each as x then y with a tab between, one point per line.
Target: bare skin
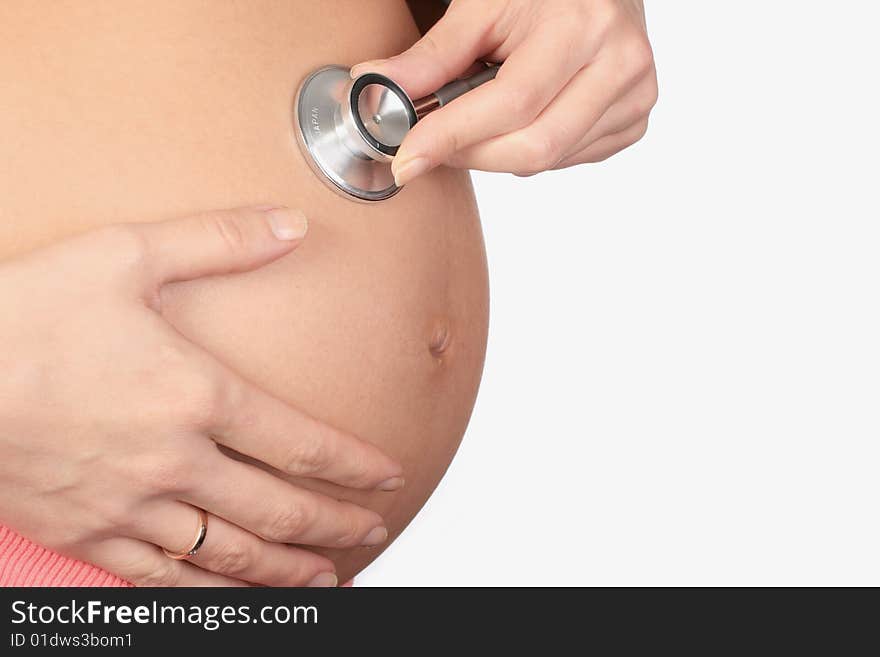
576	85
111	420
140	111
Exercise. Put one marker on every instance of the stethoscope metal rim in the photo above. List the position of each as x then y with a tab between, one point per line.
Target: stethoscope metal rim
337	143
318	118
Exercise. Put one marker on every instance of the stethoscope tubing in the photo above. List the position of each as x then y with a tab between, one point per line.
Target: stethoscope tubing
449	92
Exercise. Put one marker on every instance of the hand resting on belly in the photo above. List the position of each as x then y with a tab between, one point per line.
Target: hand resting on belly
375	325
109	417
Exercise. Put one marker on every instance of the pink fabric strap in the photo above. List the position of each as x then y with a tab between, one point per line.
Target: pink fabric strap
23	563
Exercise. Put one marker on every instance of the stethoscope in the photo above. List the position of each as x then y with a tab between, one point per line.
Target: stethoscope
350	130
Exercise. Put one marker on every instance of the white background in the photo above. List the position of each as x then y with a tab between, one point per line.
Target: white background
683	378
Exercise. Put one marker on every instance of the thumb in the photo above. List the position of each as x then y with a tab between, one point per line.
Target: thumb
222	241
465	33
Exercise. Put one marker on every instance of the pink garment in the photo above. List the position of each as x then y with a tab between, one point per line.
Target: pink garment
23	563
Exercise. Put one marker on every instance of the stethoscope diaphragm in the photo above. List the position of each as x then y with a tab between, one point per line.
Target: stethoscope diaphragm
350	130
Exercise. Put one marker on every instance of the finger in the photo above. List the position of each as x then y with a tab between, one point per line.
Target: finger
254	423
143	564
606	146
221	242
635	105
231	551
526	82
540	145
459	38
280	512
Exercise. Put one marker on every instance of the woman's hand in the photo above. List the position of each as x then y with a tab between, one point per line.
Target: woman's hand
576	85
110	419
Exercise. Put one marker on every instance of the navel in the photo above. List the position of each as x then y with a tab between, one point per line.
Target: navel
440	339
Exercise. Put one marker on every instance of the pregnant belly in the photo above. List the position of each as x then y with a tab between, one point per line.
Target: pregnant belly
137	111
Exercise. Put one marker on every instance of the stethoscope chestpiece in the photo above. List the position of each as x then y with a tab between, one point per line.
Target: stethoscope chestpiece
333	144
381	113
350	130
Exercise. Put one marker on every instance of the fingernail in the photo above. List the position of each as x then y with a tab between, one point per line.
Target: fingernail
364	67
287	224
394	483
324	580
410	169
376	536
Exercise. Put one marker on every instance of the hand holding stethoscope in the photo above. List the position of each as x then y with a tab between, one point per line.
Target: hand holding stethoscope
576	84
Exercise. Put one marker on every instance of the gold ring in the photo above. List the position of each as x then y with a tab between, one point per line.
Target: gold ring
200	539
